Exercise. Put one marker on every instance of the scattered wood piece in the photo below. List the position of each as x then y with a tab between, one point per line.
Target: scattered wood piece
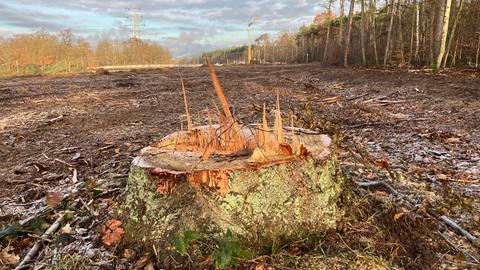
387	123
75	176
70	149
33	252
452	224
331	100
54	119
457	248
105	148
357	97
444	219
93	213
63	162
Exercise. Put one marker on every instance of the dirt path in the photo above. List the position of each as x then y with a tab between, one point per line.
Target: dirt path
423	128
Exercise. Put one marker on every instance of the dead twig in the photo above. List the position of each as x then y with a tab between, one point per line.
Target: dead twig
33	252
444	219
458	248
101	149
55	119
387	123
64	162
357	97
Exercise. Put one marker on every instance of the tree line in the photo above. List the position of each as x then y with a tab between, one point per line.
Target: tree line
46	53
427	33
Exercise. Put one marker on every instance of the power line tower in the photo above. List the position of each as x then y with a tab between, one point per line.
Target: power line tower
249	52
136	20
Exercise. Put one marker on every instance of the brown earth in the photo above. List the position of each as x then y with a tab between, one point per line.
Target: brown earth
419	130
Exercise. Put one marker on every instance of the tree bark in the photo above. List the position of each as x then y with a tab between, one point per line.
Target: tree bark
417	31
412	33
373	33
438	34
478	52
349	34
387	47
400	34
263	206
452	64
432	34
362	30
452	34
443	41
325	52
342	13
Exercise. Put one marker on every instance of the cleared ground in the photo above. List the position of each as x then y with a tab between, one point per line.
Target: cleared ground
418	130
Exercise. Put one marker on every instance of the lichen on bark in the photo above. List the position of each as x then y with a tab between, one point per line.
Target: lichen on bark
265	206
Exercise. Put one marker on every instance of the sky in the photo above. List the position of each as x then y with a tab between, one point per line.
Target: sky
185	27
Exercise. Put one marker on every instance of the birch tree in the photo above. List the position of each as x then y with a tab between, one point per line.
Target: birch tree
362	30
444	33
340	35
389	35
452	34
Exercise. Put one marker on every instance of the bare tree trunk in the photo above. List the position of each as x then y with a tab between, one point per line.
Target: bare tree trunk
373	33
340	35
478	52
452	64
412	33
362	29
349	34
417	31
438	35
400	34
325	52
446	21
452	34
432	34
387	47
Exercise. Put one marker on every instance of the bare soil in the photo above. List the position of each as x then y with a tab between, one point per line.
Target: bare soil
418	130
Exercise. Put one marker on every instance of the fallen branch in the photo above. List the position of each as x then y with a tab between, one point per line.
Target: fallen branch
33	252
387	123
444	219
357	97
63	162
54	119
458	248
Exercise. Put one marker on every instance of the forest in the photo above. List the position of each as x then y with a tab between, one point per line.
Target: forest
418	33
44	53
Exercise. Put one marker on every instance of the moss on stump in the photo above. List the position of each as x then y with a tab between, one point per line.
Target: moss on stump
265	207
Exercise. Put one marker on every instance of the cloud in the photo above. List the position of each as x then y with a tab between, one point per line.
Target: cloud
185	26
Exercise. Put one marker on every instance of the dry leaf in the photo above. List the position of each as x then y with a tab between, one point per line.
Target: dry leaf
381	193
52	199
112	232
286	149
127	253
9	258
149	267
260	267
66	229
397	216
381	163
400	214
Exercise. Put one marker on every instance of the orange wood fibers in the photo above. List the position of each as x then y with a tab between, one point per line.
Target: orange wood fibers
211	179
226	138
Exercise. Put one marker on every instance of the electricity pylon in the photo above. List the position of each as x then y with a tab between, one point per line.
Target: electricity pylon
250	23
135	22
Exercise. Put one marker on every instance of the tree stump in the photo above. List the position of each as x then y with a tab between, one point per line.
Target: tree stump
264	204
